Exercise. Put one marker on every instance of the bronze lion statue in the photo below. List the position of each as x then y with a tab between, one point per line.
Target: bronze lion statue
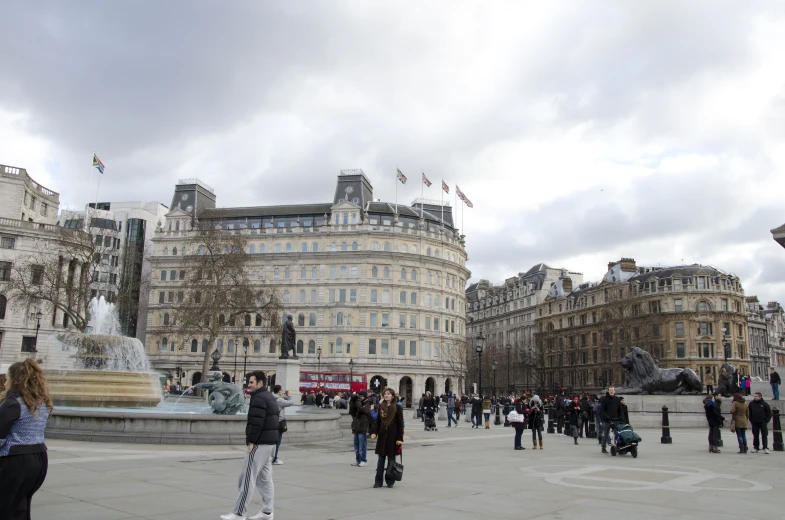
645	377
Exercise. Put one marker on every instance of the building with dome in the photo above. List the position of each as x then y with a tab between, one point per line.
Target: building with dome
371	282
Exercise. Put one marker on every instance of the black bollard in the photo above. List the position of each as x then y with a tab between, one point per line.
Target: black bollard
506	413
666	430
777	430
550	420
592	426
498	420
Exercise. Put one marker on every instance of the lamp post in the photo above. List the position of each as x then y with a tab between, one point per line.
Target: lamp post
236	348
725	344
245	360
351	374
480	343
493	366
319	367
509	381
38	316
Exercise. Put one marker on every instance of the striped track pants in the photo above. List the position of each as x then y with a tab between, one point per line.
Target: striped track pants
257	471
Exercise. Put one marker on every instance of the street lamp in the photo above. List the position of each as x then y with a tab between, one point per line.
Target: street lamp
480	343
245	359
351	374
319	367
38	316
498	404
509	381
236	348
725	344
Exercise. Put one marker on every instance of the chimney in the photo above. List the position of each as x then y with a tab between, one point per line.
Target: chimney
566	285
627	265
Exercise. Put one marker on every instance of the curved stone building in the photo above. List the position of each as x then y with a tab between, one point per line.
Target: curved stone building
366	281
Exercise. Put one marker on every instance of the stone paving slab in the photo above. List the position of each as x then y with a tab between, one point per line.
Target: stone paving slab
456	473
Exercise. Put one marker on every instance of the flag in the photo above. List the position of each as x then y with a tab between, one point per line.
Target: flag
98	164
460	193
445	187
468	202
401	177
425	180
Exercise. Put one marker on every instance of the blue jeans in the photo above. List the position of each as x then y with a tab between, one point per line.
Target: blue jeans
518	434
360	447
606	433
278	445
775	389
450	418
741	436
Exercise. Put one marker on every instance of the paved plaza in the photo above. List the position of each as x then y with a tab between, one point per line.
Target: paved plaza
456	473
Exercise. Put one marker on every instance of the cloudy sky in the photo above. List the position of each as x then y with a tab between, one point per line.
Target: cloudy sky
582	131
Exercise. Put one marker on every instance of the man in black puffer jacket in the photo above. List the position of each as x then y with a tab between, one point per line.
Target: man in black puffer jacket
261	436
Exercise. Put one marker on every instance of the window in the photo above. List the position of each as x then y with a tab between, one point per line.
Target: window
352	295
355	246
403	297
374	246
7	242
299	346
277	248
724	304
315	247
276	274
251	249
385	347
412	348
28	344
288	248
163	276
374	295
428	322
312	320
287	273
194	346
314	273
271	347
435	323
174	251
313	296
312	347
413	298
5	271
344	246
680	350
386	272
37	274
257	347
181	276
3	305
401	347
258	320
353	271
679	328
371	347
339	346
374	272
164	344
701	282
677	305
403	274
303	273
703	306
339	319
654	307
387	246
344	271
301	320
303	247
286	296
414	275
402	321
705	329
413	321
161	296
385	320
247	320
385	296
262	248
166	318
374	322
333	247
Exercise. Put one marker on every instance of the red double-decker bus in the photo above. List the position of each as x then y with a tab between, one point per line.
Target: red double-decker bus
332	381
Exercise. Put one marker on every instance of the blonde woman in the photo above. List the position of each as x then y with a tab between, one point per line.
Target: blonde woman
23	461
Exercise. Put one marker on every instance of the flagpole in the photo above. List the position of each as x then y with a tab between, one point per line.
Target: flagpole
87	203
442	190
396	189
422	192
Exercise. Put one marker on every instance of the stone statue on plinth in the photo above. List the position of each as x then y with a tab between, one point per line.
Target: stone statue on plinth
645	377
288	339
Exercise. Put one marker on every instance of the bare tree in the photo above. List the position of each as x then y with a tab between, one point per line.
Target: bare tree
218	296
455	360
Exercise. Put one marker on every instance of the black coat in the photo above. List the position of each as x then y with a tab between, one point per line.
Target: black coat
774	378
610	408
535	417
386	437
713	413
760	412
560	410
624	414
522	409
575	413
361	419
262	426
476	406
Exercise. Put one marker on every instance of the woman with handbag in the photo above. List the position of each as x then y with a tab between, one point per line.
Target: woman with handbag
522	410
283	401
389	431
740	416
536	420
574	409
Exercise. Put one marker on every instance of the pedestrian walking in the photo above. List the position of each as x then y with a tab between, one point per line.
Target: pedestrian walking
360	410
585	416
261	435
775	381
388	431
708	380
624	414
740	415
536	420
715	419
574	410
561	412
476	404
25	408
283	400
486	412
522	409
597	410
760	415
610	411
451	410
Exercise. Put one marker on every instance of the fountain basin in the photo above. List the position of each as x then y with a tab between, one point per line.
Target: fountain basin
99	388
138	427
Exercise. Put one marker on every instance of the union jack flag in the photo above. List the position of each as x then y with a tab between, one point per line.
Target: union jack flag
425	180
401	177
445	187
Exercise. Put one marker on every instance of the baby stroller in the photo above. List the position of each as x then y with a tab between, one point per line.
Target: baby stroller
624	440
429	418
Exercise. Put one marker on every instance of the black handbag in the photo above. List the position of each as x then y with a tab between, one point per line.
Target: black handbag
282	426
396	470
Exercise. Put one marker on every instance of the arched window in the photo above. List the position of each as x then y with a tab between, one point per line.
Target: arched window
173	275
177	226
427	300
221	320
312	319
251	249
194	345
166	318
311	347
164	344
314	273
303	273
344	271
386	272
345	218
258	322
333	247
374	272
303	247
339	346
404	248
299	346
205	344
353	271
414	275
219	345
413	298
414	250
257	347
374	246
287	273
344	246
313	295
174	251
374	295
301	320
403	297
315	247
437	253
403	274
436	301
387	246
230	346
166	251
262	248
301	299
428	252
288	247
339	319
163	276
277	248
704	307
247	320
355	246
271	348
286	296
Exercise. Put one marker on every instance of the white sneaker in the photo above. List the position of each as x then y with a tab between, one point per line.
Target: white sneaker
277	462
766	451
232	516
261	516
362	464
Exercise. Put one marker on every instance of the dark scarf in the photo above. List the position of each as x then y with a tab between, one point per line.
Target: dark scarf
387	413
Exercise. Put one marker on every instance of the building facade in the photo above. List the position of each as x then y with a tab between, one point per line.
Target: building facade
775	327
760	357
366	281
505	313
685	317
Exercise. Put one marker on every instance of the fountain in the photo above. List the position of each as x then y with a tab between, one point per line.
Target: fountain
109	370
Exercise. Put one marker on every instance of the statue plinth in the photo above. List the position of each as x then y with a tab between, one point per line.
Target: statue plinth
287	374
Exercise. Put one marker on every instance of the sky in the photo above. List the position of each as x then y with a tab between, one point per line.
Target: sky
582	132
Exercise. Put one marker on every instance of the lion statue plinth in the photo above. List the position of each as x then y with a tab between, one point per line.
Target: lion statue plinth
645	377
